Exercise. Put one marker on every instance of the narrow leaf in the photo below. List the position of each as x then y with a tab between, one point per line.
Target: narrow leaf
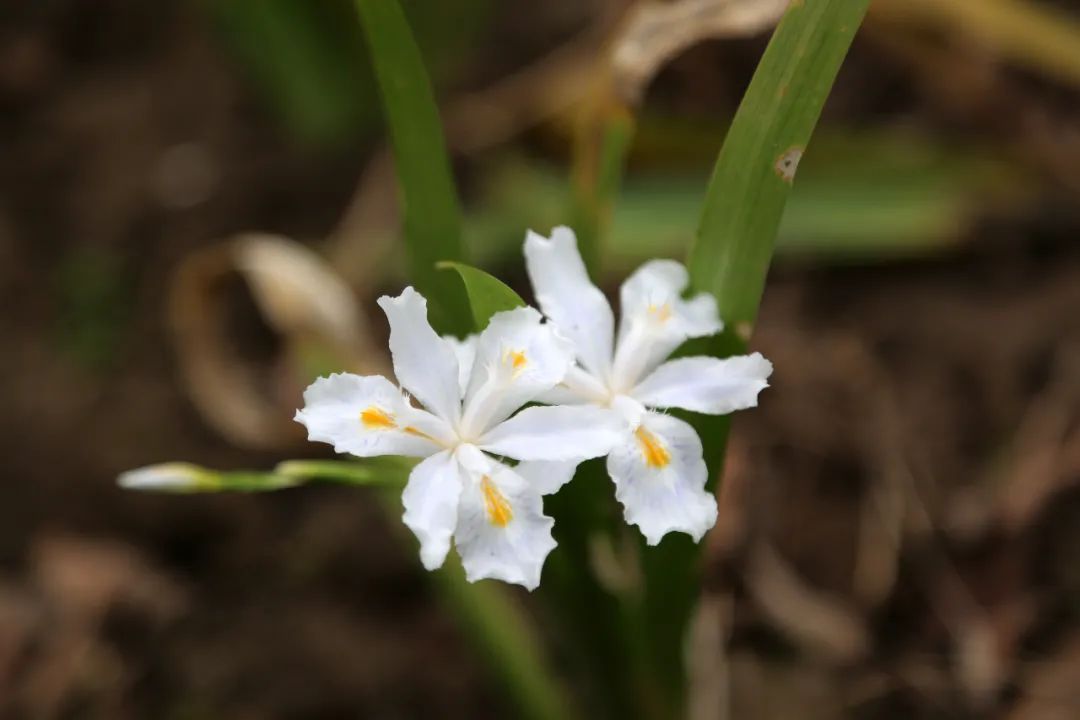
757	164
487	294
309	65
432	217
733	247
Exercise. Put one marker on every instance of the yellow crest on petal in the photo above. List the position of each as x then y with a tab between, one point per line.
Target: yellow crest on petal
517	360
375	418
660	313
656	455
498	507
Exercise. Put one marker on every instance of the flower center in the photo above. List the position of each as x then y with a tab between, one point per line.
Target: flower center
498	507
656	455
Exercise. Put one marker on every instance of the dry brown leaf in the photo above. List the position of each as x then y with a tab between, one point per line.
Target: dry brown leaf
656	32
299	297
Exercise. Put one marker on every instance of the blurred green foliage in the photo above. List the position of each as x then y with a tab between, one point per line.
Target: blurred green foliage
427	194
310	60
905	196
94	305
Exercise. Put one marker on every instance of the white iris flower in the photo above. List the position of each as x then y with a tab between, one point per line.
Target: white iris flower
657	467
470	392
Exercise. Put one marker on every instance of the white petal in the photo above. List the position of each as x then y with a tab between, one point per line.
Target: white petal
576	388
656	319
518	357
465	352
556	433
431	505
560	395
367	416
566	295
547	476
424	363
502	532
706	384
631	411
660	479
660	283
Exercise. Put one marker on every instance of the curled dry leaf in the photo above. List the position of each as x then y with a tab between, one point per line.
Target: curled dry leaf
656	32
299	298
294	288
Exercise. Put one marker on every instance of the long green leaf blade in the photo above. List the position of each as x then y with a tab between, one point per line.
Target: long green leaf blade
732	250
432	216
756	167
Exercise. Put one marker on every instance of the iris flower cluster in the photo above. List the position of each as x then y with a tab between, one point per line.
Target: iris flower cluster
503	418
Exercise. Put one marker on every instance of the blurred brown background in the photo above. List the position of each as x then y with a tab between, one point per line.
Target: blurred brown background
900	524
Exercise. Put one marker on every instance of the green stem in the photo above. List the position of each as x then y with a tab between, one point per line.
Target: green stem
503	634
381	471
600	149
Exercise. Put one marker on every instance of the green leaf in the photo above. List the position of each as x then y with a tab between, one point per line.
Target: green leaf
732	250
756	168
307	62
432	217
487	294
